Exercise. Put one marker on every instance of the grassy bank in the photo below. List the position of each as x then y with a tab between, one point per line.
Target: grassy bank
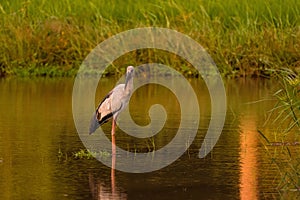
46	37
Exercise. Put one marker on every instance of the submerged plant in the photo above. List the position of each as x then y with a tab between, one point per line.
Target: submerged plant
87	154
151	144
81	154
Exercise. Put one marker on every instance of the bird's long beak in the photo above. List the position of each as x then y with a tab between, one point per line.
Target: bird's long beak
129	76
94	124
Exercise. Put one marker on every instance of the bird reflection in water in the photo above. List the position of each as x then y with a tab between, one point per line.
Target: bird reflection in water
100	189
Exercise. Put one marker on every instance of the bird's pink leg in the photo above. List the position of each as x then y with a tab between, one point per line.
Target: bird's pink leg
113	140
113	166
113	127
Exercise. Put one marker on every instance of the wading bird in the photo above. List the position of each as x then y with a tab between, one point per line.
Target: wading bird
113	103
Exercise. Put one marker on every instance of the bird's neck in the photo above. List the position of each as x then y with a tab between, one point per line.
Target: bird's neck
129	86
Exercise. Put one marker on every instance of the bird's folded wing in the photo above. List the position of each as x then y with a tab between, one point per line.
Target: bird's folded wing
104	112
106	109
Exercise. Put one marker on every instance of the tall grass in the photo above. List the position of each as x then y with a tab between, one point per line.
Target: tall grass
43	37
282	144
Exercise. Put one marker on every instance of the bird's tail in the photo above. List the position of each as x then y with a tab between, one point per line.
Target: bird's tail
94	124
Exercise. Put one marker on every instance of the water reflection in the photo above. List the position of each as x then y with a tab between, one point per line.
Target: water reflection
248	158
100	189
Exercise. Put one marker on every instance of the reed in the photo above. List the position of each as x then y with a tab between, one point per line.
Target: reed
282	144
51	38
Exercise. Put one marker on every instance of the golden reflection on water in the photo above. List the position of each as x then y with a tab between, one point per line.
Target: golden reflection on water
248	158
100	190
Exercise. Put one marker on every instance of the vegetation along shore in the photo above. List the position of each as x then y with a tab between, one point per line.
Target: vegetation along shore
245	38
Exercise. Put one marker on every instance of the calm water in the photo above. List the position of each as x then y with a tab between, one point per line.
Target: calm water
36	124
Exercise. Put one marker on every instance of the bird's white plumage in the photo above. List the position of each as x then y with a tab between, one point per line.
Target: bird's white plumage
114	102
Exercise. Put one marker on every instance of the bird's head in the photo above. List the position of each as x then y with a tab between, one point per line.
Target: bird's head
130	70
129	76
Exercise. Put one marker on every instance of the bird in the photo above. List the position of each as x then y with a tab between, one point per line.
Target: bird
113	103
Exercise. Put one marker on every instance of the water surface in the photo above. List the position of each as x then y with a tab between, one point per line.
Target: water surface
38	139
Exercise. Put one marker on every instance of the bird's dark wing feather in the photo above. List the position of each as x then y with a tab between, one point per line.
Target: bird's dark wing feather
103	111
107	108
106	97
105	118
98	117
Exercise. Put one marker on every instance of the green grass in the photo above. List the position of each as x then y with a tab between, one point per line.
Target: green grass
87	154
245	38
283	143
82	154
